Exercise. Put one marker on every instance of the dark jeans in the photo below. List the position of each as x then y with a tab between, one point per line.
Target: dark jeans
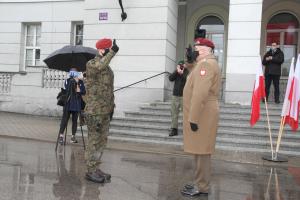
275	79
65	119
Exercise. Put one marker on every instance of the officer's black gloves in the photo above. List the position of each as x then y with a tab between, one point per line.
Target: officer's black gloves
115	47
194	127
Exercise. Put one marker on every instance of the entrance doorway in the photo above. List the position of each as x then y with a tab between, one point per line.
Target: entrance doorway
214	28
283	29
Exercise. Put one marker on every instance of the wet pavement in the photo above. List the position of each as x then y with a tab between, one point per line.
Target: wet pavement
31	170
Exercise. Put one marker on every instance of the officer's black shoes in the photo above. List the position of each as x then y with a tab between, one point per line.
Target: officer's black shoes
173	132
95	177
192	191
105	175
277	102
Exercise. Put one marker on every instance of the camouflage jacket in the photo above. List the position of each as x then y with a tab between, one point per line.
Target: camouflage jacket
100	85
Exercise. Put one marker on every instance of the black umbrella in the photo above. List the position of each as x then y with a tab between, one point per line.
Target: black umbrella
70	56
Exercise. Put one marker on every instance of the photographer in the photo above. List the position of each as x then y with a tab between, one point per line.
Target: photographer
75	89
179	78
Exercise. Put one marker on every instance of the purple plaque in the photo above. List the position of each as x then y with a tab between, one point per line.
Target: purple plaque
103	16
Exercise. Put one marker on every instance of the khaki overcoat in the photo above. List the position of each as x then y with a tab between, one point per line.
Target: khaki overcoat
200	106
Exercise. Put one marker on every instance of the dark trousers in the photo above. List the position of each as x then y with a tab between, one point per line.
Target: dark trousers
275	79
65	119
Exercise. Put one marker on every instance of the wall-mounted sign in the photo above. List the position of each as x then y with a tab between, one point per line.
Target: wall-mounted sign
103	16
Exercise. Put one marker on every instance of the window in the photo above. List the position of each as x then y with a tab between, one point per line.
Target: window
78	34
32	45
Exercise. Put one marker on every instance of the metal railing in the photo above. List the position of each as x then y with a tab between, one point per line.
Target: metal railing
127	86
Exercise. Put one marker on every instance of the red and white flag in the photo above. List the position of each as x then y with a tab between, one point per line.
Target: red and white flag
294	99
257	95
286	102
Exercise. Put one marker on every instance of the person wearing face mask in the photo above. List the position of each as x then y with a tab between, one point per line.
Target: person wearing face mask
272	61
75	89
99	107
201	113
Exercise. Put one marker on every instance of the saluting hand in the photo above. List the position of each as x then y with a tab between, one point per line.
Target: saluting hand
115	47
194	127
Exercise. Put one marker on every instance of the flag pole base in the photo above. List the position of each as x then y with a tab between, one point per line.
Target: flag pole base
276	158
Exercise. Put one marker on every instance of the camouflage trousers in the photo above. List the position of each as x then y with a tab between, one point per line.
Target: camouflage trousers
98	127
176	106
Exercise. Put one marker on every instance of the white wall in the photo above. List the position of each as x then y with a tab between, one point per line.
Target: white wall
147	41
55	18
27	94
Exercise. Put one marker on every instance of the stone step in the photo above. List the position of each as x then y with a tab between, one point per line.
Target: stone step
221	145
259	144
160	124
154	110
167	105
262	136
223	117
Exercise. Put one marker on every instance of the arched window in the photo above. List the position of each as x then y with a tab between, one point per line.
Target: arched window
214	29
283	29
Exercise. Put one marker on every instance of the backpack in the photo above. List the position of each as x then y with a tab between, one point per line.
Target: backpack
62	97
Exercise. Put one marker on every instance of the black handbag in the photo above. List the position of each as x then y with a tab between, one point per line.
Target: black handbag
62	97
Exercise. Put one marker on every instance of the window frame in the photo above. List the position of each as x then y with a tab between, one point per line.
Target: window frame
34	47
75	24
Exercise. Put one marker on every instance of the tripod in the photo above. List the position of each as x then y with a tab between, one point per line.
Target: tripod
66	130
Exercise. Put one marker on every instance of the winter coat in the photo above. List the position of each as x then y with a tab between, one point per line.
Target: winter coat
201	107
273	67
179	82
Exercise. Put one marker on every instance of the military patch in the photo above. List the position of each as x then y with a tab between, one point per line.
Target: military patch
202	72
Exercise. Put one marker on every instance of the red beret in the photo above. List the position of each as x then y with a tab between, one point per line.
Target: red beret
204	42
104	44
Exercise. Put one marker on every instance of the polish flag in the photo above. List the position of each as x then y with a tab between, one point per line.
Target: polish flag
257	95
294	99
286	102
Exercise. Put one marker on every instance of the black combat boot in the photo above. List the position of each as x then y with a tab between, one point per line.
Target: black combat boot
95	177
173	132
105	175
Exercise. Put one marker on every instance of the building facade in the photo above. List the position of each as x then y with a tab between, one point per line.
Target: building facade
152	39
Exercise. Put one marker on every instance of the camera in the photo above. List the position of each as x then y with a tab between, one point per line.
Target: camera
181	67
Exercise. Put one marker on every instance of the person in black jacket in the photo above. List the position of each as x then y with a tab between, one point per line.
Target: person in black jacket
272	61
179	78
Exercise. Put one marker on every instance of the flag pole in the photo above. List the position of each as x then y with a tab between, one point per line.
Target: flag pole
269	127
280	135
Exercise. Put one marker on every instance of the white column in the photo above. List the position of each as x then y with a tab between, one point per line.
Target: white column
244	38
147	41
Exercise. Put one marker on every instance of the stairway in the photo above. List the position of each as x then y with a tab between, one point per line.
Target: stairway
151	124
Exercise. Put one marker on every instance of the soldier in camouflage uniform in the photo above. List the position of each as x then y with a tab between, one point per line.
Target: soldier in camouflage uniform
99	107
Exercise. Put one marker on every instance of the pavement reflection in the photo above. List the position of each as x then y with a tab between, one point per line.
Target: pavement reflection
33	171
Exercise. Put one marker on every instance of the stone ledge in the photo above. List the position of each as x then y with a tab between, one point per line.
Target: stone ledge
5	97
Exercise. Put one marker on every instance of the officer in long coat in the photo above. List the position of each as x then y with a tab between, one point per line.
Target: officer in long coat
201	114
99	107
